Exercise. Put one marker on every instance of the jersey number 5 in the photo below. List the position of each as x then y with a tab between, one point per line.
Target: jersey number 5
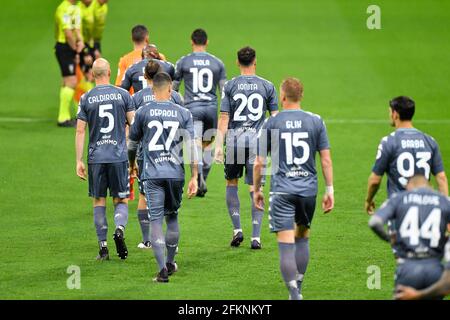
103	113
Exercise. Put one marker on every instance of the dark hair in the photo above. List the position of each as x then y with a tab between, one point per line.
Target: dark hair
293	89
138	33
151	69
150	52
161	80
246	56
404	106
199	37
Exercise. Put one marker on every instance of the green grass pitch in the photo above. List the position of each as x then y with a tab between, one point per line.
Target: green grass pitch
349	73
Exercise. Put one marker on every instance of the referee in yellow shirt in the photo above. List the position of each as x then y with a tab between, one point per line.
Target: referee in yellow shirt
69	43
100	12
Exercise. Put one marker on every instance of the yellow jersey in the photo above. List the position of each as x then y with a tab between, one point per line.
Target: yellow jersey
100	12
87	22
67	16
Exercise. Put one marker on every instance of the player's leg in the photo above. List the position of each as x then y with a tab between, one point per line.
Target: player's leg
282	212
303	219
66	59
174	195
98	191
209	128
155	195
197	116
119	186
142	213
257	215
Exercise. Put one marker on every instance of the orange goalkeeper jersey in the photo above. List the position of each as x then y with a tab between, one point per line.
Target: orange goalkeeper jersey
125	62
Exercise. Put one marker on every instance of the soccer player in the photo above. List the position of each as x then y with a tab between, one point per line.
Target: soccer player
100	13
439	289
69	43
421	217
403	154
106	109
293	137
162	127
134	76
245	101
139	36
141	98
202	73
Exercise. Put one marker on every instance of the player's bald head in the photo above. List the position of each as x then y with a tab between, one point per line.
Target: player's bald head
101	68
417	181
291	89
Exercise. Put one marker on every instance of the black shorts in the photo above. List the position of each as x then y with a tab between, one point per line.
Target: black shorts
112	176
163	196
418	273
140	164
236	160
288	210
205	119
66	59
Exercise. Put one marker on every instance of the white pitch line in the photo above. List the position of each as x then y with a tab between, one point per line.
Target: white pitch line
23	120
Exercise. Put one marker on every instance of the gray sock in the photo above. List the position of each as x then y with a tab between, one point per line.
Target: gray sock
302	258
207	161
172	236
233	206
158	243
288	268
144	222
121	214
257	216
101	224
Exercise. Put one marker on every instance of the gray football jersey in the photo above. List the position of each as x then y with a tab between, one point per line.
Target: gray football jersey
405	153
420	221
247	99
293	137
161	127
145	96
104	108
134	76
201	73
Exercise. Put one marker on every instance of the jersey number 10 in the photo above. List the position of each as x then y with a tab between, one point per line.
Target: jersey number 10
198	80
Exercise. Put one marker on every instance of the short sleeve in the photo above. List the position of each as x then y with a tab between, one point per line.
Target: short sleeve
225	105
272	103
176	98
387	210
264	140
82	113
77	18
189	124
322	141
223	72
171	70
130	105
382	158
136	132
437	165
126	81
178	74
65	18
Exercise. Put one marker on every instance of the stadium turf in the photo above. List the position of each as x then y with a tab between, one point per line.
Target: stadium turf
349	73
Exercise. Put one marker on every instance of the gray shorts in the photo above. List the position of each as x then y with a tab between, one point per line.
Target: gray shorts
288	210
418	273
109	176
205	118
163	196
236	160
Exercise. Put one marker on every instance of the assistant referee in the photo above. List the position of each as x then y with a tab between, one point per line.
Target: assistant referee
69	43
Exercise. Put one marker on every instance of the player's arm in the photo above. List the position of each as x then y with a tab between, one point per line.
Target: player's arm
193	156
442	182
439	289
122	68
258	195
378	220
126	81
79	42
79	147
327	171
178	76
222	129
373	184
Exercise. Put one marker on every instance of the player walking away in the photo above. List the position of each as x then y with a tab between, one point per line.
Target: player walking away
245	101
202	73
293	137
421	217
100	13
134	76
162	126
69	43
106	109
141	98
140	38
403	154
439	289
